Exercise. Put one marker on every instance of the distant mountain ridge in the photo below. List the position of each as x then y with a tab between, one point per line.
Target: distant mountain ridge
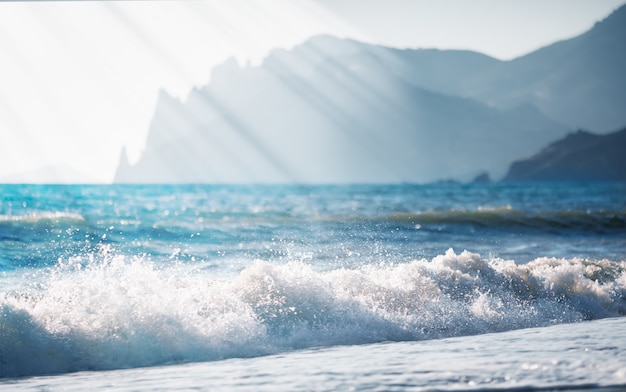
580	156
339	119
579	82
337	110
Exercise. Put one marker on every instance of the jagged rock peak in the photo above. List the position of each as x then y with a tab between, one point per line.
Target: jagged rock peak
122	167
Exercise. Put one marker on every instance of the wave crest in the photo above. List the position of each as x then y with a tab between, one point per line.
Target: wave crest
508	217
43	217
118	312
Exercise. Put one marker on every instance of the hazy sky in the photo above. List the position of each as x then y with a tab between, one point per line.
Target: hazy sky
79	80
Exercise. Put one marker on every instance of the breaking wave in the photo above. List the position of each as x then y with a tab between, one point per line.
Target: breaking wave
110	311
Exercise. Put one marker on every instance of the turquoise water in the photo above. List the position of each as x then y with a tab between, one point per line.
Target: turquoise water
106	278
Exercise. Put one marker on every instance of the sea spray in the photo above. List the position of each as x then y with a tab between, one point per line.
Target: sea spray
106	310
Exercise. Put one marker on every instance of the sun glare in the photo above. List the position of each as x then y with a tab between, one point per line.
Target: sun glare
84	76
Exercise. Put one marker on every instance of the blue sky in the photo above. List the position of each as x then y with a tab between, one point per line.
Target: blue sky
80	79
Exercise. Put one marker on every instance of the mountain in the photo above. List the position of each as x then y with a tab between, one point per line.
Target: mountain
579	82
337	110
580	156
334	110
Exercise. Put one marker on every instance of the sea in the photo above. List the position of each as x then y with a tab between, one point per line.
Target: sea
406	287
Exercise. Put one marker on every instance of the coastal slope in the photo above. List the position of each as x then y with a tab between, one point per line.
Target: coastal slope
580	156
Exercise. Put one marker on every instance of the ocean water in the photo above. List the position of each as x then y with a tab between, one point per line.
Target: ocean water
368	287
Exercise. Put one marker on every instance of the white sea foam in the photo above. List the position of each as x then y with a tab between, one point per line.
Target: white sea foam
43	216
110	311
